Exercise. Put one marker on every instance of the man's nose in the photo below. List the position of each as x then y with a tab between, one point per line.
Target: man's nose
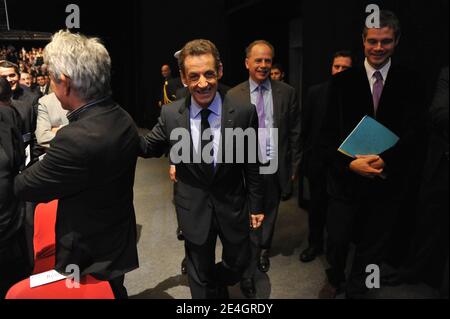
202	82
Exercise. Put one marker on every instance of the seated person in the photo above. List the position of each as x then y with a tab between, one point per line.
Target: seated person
50	118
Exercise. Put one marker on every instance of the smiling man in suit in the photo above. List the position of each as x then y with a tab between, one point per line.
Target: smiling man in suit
213	198
366	192
277	107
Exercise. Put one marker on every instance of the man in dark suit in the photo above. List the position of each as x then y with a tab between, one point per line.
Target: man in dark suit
25	102
429	251
367	191
89	166
312	166
43	86
14	264
277	108
213	197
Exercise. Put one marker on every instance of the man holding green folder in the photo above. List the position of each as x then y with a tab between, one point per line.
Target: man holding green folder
366	190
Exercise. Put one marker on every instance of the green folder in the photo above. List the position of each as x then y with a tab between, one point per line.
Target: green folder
368	138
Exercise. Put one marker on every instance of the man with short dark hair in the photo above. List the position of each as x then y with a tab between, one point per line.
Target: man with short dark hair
367	191
25	102
277	72
212	198
312	164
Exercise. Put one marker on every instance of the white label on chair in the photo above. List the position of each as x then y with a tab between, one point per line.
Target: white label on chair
45	278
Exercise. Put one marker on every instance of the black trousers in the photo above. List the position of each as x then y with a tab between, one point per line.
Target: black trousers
14	262
317	214
262	238
368	223
119	290
429	252
206	278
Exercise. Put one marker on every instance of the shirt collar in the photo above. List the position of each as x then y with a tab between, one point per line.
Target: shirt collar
74	115
370	70
214	107
254	86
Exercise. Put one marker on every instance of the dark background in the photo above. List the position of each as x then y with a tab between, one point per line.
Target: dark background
142	35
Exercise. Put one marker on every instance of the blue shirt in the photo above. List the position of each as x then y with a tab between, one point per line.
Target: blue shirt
214	120
268	110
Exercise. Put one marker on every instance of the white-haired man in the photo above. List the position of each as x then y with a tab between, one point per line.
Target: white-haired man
89	166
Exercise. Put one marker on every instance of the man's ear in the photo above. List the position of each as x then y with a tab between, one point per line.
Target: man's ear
220	75
246	63
65	81
183	78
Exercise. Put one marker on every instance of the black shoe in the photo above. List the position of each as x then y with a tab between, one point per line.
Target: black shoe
184	266
264	262
180	235
391	276
310	253
248	288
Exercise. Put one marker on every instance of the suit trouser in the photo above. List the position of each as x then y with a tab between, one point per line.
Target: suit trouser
14	263
204	275
430	243
29	231
262	237
373	220
119	290
318	210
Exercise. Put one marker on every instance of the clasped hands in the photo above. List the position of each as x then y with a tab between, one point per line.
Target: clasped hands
368	166
256	220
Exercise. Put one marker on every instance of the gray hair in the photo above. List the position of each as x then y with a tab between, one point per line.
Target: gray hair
84	60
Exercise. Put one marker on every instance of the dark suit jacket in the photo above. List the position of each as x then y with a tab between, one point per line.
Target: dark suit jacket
401	109
90	168
313	116
287	121
26	103
438	150
235	190
11	212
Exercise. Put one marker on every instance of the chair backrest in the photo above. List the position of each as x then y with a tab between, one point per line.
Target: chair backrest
89	288
44	229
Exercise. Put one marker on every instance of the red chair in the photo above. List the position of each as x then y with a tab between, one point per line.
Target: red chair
90	288
44	236
44	259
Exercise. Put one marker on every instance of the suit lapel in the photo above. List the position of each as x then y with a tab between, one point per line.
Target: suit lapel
6	143
227	121
388	90
183	121
363	86
277	105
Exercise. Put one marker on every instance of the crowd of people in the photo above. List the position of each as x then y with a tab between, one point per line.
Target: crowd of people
78	146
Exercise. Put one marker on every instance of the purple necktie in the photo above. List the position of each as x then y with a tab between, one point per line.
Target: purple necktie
262	124
260	107
377	90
